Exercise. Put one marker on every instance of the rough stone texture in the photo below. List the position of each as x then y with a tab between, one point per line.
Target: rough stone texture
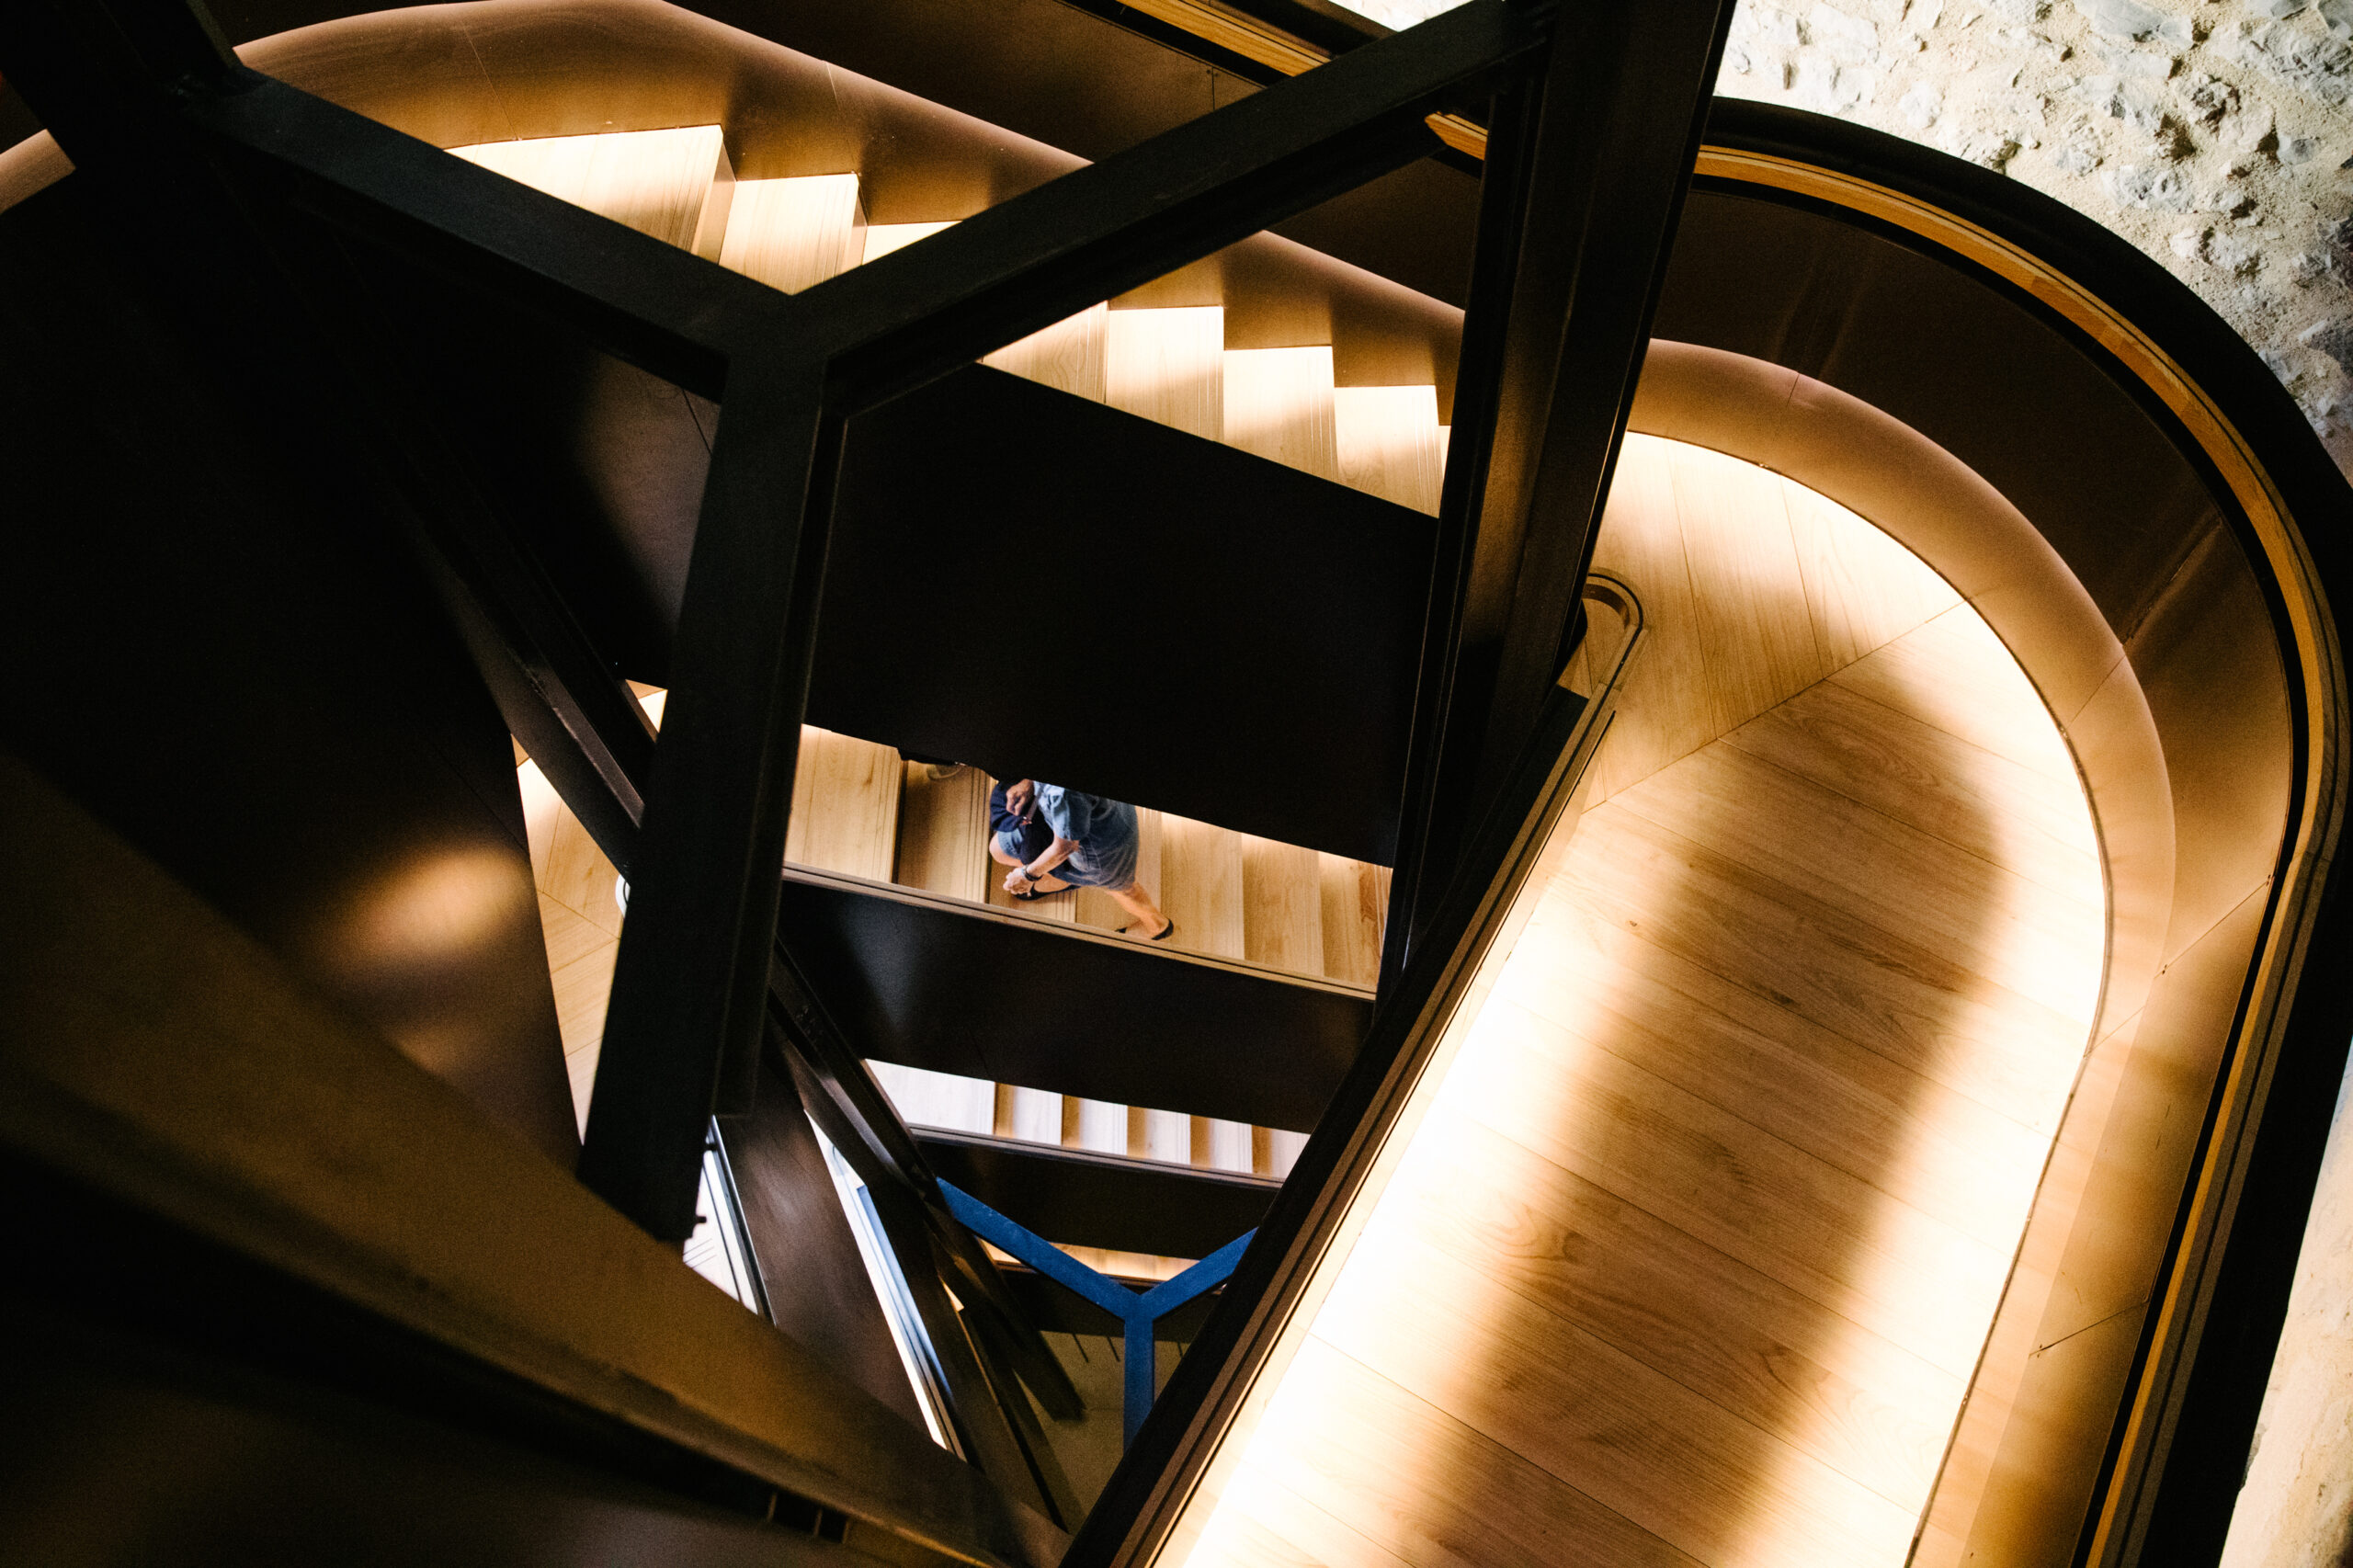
2296	1509
2218	138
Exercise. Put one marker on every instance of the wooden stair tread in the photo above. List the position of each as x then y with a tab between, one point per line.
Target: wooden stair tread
672	184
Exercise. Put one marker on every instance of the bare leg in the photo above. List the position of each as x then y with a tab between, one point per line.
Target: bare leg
1047	883
1149	921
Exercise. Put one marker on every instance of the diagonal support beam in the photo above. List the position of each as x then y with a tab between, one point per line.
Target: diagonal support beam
1586	177
1136	1310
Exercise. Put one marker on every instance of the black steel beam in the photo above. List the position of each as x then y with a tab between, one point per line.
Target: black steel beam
690	989
1587	171
642	300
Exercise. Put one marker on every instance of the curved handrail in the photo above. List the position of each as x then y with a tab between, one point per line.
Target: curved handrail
1204	1414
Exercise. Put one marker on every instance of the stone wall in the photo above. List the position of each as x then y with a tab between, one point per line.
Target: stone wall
2218	138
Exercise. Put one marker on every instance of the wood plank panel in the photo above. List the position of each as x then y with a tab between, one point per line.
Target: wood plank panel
1282	905
881	239
672	184
583	989
845	805
1277	403
794	233
1274	1150
1953	672
1160	1135
1276	1528
1924	776
1862	589
1900	998
1355	905
925	1098
1072	354
1034	1116
1636	1441
1739	1338
1425	1487
1756	628
1201	889
2043	943
568	935
1901	1274
1664	711
1168	365
1386	440
1095	1124
944	831
1221	1145
1917	1139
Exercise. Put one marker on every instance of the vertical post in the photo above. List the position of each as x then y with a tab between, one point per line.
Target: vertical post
1142	1378
1594	166
690	989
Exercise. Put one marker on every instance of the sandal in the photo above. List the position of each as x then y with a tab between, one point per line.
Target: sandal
1165	932
1036	894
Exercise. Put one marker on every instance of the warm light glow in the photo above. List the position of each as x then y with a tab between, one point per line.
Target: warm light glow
1279	405
794	233
1389	443
658	182
437	909
1697	1227
1168	365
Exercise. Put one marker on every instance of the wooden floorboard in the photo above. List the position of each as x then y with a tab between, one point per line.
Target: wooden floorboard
1430	1489
1923	1283
1924	776
1635	1441
1695	1248
1731	1335
1873	867
1900	997
1892	1127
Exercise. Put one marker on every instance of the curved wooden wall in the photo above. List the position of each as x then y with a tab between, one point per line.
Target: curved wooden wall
2142	557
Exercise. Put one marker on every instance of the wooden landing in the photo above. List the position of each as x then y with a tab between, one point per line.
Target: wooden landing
1692	1257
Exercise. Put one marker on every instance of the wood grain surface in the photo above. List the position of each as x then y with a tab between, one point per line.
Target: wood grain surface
794	233
1169	365
1279	405
1386	440
1693	1253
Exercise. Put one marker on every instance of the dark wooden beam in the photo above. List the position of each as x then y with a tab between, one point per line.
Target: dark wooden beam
1587	171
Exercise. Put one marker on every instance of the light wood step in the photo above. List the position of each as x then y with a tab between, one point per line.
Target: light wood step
1067	356
1390	443
945	1100
1169	365
674	185
1278	403
1232	895
794	233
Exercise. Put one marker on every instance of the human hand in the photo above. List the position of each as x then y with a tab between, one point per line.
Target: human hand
1017	880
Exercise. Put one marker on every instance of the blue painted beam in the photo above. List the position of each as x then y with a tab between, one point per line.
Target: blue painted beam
1136	1310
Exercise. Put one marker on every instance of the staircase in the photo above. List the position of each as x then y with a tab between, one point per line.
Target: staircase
1168	364
862	811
